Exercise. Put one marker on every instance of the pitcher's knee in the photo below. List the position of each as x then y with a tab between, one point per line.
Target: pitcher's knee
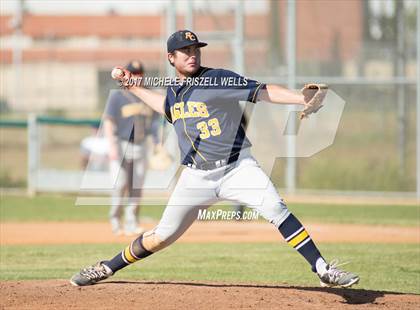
277	213
153	242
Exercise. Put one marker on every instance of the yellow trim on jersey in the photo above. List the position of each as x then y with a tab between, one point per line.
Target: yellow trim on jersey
130	258
167	118
173	91
164	108
131	109
256	92
185	125
195	162
191	141
134	109
298	239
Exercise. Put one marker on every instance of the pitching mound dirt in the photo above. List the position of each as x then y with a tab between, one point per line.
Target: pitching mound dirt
59	294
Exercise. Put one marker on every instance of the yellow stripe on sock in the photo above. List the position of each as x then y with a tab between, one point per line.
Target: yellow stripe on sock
299	238
128	255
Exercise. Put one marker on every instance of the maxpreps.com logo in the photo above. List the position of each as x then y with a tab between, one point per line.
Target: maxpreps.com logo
189	36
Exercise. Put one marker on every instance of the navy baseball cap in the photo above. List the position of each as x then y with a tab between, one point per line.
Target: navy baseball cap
135	67
183	38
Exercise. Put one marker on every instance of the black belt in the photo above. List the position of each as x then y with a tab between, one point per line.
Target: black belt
210	165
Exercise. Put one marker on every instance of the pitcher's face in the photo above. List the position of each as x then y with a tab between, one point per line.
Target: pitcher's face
186	60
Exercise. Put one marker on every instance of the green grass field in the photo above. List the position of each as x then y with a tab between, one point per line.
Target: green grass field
56	208
381	267
393	267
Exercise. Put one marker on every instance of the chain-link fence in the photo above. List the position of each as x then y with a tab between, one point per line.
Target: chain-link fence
58	64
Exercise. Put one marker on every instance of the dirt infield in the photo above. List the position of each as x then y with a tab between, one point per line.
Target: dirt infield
82	233
58	294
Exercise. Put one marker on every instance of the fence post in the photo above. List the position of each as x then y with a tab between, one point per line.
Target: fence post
170	27
33	154
238	41
291	83
418	103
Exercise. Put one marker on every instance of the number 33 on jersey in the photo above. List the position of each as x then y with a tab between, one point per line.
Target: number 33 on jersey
195	109
208	118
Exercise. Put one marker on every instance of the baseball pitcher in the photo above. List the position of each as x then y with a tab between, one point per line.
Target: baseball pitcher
218	165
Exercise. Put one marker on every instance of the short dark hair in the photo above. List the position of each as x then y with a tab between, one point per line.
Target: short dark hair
173	53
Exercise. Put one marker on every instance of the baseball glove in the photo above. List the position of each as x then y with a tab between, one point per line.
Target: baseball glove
314	95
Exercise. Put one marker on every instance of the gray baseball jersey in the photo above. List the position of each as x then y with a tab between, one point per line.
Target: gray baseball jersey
127	111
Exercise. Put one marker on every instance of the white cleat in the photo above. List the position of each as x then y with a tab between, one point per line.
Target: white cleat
334	276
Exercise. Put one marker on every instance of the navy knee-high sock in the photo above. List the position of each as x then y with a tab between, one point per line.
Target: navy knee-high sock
296	235
132	253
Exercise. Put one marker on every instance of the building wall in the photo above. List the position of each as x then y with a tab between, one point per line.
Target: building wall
50	86
63	55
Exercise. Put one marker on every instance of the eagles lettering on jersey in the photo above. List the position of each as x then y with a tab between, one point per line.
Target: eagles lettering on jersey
188	109
208	118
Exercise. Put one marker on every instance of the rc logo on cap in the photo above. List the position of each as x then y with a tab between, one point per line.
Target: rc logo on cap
182	39
190	36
